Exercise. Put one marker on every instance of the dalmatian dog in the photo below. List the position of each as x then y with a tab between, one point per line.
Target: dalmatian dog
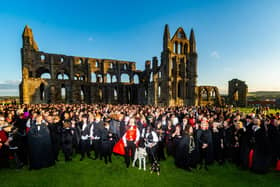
140	154
155	168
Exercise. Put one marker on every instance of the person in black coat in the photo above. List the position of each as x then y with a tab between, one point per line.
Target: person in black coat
169	130
76	132
40	146
161	137
107	143
205	145
218	139
180	148
98	124
67	141
85	129
261	157
55	126
192	152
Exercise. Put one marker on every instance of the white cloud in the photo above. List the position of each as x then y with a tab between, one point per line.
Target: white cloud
215	54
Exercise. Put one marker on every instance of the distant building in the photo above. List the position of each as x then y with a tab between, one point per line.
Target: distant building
237	93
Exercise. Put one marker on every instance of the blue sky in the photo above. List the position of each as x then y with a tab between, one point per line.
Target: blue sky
235	38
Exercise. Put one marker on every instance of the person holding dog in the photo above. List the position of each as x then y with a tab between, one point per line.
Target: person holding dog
151	141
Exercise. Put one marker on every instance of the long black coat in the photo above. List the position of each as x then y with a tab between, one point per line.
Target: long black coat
261	158
40	147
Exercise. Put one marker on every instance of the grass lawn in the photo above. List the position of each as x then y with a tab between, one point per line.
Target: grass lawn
96	173
249	110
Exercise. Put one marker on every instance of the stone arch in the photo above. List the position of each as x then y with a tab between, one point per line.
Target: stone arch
52	93
100	94
62	76
42	92
82	94
213	94
159	91
63	93
235	96
114	79
136	79
125	78
129	95
43	73
115	94
125	66
42	58
151	77
80	61
99	78
93	77
180	48
108	78
204	94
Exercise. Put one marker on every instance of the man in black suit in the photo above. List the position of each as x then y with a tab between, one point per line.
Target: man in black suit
85	128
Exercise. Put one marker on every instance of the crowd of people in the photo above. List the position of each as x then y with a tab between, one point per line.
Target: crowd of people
34	135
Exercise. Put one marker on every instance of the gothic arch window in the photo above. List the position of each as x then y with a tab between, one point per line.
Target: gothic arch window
82	77
159	91
100	94
93	77
125	78
151	77
129	95
45	76
115	94
136	79
63	93
108	76
99	78
179	48
125	67
146	93
203	94
62	76
114	78
82	94
175	47
236	96
43	58
42	92
213	94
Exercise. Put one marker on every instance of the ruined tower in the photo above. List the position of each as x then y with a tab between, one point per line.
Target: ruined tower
237	93
176	76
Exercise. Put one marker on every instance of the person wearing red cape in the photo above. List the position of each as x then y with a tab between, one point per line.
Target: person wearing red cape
127	144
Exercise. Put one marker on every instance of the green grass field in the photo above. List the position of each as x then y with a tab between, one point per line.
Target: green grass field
249	110
96	173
